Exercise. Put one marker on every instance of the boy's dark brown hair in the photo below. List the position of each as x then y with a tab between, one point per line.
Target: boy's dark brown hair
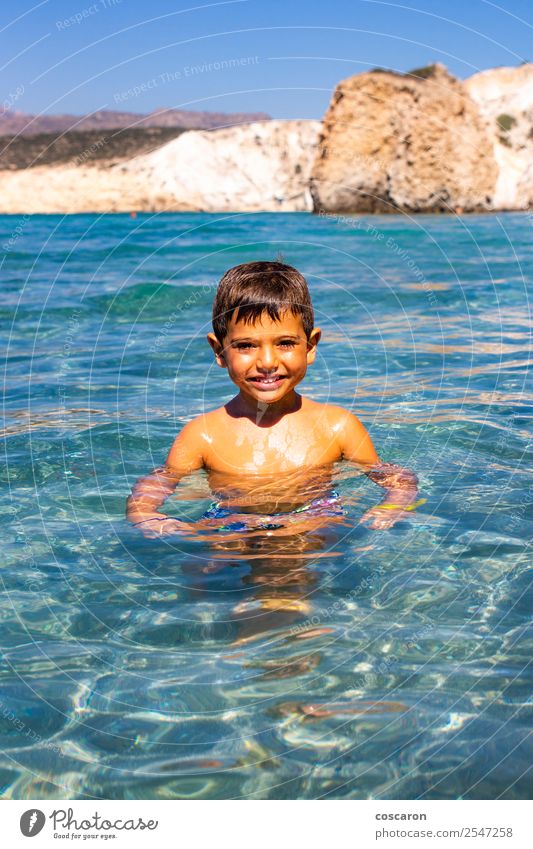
254	288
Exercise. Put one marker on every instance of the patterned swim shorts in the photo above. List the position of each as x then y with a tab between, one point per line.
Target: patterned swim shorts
326	505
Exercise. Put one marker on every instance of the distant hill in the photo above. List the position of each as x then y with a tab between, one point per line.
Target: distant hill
14	123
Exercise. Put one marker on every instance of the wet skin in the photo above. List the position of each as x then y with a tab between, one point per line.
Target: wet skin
269	449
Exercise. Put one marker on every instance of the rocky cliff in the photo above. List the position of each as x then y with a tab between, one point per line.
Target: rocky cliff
505	99
404	142
258	166
417	142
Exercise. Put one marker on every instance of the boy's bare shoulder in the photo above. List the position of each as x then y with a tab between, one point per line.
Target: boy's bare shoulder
192	442
334	416
203	424
354	440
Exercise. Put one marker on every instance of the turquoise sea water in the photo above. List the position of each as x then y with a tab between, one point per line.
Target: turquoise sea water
352	664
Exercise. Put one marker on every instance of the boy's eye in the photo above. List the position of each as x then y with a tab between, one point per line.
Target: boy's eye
247	346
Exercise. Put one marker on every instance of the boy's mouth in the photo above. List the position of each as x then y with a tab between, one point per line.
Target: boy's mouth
267	381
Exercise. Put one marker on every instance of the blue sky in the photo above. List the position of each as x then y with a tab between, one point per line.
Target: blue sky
283	57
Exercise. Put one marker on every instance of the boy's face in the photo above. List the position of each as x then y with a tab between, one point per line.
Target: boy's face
268	359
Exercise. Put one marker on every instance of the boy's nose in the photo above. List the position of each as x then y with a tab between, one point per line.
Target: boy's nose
267	358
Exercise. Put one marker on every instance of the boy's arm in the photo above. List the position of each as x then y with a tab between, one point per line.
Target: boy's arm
151	491
400	485
401	495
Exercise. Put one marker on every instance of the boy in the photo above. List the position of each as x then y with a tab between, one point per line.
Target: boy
269	450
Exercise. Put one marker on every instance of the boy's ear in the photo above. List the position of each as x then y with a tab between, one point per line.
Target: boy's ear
312	342
218	350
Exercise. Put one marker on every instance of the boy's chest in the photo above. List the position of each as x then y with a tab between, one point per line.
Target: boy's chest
255	450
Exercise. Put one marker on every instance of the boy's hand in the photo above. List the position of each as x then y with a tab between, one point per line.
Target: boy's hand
401	487
161	526
385	515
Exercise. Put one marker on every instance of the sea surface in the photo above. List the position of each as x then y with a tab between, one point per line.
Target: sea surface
345	664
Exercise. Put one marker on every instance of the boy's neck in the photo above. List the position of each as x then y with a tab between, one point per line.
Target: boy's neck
261	413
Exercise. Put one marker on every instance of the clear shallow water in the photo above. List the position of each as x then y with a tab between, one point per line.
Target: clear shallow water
346	664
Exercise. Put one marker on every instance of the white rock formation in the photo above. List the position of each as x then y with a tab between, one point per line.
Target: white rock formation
68	189
262	166
505	99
